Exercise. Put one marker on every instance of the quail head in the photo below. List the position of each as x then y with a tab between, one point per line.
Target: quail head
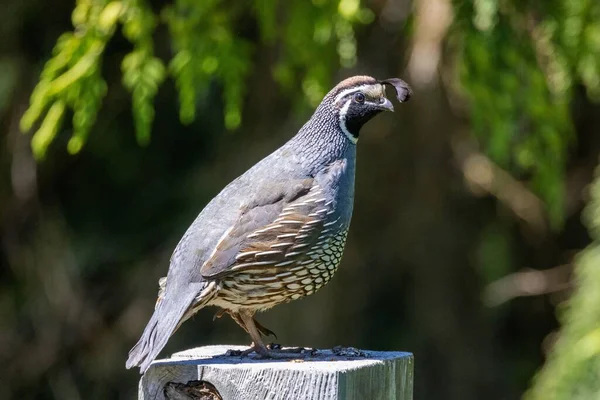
277	232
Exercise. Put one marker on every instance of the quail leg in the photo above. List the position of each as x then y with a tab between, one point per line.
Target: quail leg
264	331
258	345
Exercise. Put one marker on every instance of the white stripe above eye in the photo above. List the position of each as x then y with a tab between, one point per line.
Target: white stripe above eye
343	112
352	90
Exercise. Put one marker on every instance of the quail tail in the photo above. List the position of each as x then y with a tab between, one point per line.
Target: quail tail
167	317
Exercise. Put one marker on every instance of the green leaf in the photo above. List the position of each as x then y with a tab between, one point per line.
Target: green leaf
44	136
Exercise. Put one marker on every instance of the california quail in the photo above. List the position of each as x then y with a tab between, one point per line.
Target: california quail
277	232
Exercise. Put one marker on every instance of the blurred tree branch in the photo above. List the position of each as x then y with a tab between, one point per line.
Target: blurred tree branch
483	175
529	282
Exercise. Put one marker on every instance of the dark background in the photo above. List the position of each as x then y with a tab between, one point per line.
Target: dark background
451	255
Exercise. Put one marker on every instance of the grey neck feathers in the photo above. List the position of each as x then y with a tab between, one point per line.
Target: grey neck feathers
321	141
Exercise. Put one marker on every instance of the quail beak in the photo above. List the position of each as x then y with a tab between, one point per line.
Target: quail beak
385	104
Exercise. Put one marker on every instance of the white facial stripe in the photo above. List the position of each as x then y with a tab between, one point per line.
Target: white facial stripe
343	112
371	90
348	91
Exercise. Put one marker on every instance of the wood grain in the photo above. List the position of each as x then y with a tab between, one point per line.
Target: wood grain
337	374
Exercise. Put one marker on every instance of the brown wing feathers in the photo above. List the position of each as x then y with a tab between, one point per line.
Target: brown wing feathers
279	243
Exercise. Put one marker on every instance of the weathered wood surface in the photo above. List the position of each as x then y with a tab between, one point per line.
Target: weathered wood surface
338	374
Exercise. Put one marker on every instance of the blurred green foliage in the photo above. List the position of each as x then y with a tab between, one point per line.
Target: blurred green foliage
206	47
573	368
142	72
71	78
519	64
533	56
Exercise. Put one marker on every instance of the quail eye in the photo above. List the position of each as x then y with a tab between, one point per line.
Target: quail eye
359	97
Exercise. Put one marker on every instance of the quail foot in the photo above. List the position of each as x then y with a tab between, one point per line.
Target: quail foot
277	232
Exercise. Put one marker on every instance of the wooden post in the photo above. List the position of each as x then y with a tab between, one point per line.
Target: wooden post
336	374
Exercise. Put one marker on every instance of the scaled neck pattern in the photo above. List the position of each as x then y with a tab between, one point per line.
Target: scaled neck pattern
322	140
